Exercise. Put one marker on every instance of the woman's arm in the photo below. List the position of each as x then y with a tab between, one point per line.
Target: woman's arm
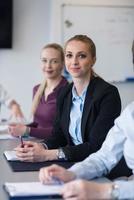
41	133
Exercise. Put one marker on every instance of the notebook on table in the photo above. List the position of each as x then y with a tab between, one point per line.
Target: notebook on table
19	166
32	190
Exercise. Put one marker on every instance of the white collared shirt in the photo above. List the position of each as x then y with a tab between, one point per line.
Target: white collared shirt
119	141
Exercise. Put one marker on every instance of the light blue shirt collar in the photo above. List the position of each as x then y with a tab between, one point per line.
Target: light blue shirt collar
75	95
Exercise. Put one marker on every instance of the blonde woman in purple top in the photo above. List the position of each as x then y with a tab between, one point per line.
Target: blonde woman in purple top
44	101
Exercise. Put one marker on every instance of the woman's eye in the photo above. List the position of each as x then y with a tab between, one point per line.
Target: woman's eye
68	55
44	60
82	56
54	61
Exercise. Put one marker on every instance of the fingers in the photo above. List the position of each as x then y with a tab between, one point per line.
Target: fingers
68	191
25	154
11	129
74	190
46	174
55	172
16	129
31	152
27	144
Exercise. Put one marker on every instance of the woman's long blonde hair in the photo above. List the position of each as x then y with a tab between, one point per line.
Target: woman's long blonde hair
43	85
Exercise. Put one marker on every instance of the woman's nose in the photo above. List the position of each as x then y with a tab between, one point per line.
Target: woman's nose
48	64
75	61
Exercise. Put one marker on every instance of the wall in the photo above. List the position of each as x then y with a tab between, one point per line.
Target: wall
112	32
20	66
125	89
37	22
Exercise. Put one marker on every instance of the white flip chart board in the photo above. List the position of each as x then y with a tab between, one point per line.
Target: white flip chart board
112	30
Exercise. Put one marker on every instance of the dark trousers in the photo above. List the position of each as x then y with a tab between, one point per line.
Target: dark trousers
121	169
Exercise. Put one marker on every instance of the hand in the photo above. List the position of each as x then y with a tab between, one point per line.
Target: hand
47	174
17	129
35	152
86	190
31	152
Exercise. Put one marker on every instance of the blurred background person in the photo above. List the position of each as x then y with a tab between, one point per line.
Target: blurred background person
11	103
45	94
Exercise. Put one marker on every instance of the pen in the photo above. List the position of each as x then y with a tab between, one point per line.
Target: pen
22	143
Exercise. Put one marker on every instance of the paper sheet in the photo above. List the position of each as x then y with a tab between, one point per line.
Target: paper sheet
6	136
11	155
26	189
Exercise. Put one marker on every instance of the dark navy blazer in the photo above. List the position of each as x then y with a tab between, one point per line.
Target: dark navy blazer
102	105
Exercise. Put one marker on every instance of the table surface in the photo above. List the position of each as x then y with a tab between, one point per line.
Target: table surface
6	173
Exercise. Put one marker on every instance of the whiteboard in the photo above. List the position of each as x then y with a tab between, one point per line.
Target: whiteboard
112	30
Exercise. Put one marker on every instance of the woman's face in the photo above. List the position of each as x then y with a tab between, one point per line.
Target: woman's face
78	59
51	63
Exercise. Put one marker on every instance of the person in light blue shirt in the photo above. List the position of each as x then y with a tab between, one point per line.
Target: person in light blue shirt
119	141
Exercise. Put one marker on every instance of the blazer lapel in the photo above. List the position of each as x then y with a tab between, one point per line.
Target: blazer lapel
87	106
66	112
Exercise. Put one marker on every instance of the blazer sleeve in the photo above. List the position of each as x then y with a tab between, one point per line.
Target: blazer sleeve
109	105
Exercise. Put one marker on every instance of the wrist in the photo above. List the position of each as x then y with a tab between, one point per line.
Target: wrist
105	191
115	191
26	132
109	191
61	155
51	154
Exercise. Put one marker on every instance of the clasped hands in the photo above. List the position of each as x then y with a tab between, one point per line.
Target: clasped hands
35	152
